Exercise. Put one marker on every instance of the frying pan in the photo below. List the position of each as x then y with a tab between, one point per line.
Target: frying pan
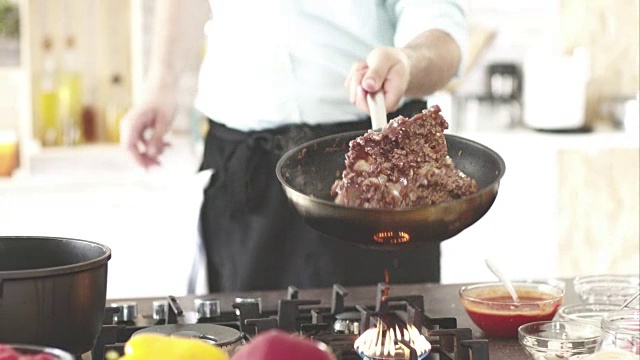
308	171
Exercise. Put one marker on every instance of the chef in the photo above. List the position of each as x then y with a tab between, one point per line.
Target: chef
275	74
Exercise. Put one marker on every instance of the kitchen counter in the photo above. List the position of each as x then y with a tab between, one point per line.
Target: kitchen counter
96	192
598	139
441	300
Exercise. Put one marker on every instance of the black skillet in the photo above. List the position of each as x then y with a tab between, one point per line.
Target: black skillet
308	171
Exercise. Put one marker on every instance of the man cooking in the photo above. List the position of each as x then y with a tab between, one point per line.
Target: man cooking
278	73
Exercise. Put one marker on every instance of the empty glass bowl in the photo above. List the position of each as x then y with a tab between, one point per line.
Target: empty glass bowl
590	314
607	289
611	355
621	331
558	339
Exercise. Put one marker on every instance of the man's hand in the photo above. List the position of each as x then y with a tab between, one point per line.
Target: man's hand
143	128
176	49
423	66
386	69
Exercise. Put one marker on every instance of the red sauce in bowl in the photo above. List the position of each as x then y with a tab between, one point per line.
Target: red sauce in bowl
493	310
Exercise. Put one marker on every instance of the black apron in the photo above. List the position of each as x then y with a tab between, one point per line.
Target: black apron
254	240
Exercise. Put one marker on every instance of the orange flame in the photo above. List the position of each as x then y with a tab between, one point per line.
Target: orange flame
391	237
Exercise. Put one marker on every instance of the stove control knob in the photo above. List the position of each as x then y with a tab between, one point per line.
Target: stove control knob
207	308
160	309
241	300
347	323
127	312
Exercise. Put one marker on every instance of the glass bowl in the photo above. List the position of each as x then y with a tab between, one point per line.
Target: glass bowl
492	309
559	283
53	353
558	339
621	331
607	289
590	314
611	355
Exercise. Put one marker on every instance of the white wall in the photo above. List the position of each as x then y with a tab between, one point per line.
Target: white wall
519	231
518	25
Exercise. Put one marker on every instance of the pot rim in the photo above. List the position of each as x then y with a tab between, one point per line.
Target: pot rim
48	350
57	270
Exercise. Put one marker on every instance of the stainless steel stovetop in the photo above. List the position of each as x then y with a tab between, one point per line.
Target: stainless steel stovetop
232	321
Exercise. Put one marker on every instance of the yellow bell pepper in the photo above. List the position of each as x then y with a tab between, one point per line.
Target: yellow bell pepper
162	347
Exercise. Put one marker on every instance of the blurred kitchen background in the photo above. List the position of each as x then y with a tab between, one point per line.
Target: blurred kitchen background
552	85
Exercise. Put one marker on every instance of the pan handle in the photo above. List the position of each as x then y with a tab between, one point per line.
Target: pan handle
377	110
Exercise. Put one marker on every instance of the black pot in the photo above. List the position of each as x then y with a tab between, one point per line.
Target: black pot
52	291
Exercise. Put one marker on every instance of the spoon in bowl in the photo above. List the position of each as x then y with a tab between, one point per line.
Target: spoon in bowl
505	281
629	301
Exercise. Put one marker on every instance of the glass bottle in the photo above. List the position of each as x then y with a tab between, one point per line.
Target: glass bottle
70	95
50	127
91	122
115	109
90	131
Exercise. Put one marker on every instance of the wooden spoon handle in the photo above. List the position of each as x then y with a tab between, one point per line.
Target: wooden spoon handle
377	110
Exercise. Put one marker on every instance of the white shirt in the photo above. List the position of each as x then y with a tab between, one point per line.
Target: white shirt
275	62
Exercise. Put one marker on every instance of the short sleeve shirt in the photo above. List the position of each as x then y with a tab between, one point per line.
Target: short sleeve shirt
274	62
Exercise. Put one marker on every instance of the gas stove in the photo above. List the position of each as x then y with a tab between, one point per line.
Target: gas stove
334	324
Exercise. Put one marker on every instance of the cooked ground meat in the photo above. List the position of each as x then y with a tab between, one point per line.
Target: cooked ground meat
404	165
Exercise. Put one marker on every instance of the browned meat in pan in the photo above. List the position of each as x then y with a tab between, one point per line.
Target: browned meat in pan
404	165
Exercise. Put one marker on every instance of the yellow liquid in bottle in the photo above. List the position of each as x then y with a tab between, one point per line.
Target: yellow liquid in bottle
70	97
113	117
51	130
116	109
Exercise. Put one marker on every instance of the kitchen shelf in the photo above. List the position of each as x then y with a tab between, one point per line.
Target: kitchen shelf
111	38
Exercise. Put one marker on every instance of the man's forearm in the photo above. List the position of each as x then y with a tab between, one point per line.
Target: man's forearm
433	59
178	39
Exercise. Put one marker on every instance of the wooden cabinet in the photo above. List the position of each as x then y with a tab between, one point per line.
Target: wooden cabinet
598	201
568	205
112	42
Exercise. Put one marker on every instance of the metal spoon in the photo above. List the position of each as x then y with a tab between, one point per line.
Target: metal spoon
506	282
630	300
377	110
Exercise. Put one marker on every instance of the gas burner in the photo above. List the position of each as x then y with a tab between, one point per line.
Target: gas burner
392	337
389	343
222	336
351	332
